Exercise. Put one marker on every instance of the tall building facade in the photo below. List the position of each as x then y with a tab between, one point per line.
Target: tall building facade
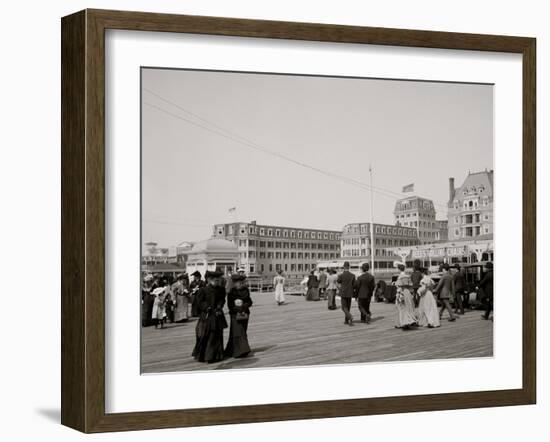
470	212
356	242
419	213
265	249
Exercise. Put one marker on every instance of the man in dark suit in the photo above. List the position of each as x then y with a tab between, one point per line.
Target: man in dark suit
364	288
445	290
486	284
460	289
346	281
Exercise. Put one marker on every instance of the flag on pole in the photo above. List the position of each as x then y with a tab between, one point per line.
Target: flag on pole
408	188
232	209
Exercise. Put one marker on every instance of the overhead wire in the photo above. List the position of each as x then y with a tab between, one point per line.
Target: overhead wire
223	132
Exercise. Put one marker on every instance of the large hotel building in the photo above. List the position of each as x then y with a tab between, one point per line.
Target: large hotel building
265	249
471	207
419	213
356	242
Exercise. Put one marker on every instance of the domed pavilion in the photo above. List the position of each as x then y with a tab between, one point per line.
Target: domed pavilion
212	253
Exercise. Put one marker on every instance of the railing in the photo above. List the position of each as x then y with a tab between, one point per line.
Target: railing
265	284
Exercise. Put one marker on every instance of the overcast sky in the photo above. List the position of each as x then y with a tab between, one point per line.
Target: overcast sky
411	132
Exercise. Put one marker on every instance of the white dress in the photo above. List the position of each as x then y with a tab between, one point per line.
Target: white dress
279	283
404	302
427	306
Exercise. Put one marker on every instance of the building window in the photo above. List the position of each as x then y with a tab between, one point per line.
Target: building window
277	233
262	231
292	234
300	234
220	231
306	235
269	232
285	233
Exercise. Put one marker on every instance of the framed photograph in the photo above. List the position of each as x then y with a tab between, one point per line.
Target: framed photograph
266	221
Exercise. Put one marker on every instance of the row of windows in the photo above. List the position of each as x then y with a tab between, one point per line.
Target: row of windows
409	205
473	189
415	215
471	204
280	233
471	232
382	230
291	255
286	267
469	219
431	235
366	252
285	245
378	241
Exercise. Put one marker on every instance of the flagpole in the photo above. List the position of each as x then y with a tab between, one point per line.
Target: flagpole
371	221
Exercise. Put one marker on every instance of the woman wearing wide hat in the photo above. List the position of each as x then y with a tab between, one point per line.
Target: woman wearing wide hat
428	315
196	284
404	300
209	331
180	291
238	303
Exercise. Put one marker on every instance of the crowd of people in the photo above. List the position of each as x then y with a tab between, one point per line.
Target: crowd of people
165	298
416	298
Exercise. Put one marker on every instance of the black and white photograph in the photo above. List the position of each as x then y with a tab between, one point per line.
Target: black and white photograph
301	220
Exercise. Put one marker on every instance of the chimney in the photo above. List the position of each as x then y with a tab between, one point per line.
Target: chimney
451	190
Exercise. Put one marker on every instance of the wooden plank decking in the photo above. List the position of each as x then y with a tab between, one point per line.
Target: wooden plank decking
307	333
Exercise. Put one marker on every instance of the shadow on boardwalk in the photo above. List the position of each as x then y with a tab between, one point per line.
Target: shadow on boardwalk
302	333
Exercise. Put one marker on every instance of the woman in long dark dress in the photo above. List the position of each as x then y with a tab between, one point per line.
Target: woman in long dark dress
312	288
209	331
147	301
194	288
238	303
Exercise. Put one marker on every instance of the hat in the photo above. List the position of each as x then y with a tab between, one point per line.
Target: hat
213	274
196	273
236	277
457	266
148	277
241	269
158	291
397	264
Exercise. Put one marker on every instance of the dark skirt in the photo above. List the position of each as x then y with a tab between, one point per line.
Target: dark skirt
194	306
312	294
237	345
209	335
147	310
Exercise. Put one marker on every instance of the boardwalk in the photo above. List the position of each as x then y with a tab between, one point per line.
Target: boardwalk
307	333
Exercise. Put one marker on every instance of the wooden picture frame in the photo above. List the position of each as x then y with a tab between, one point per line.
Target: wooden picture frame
83	220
